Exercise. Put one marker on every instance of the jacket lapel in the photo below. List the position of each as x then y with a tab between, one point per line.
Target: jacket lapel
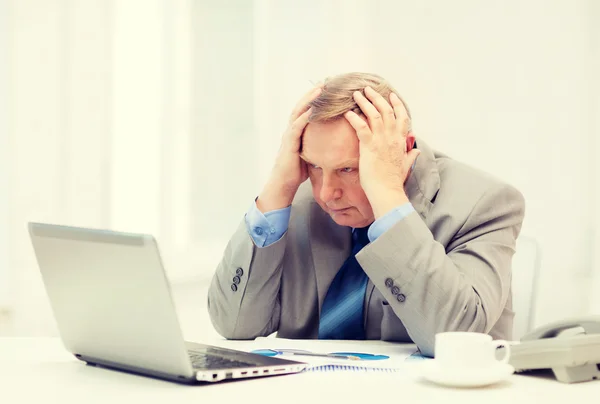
424	182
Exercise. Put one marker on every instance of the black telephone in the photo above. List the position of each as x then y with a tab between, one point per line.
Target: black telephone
571	348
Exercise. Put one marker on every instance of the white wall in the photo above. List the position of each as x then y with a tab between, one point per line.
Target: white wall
504	86
164	116
225	156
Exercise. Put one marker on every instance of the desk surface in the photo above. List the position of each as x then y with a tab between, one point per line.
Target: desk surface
41	370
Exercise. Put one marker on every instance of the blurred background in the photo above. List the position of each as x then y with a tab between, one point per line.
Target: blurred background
164	116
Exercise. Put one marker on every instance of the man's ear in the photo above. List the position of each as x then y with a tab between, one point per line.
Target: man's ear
410	141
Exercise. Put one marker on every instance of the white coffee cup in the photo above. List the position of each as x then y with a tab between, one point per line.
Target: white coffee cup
468	350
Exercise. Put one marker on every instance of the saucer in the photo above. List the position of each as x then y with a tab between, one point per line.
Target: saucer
466	377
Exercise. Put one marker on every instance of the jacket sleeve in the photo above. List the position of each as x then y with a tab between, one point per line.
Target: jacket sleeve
461	287
250	308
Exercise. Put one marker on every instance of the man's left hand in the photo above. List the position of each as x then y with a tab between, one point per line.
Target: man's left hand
386	153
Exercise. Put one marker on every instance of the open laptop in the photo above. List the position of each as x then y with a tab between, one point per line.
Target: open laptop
112	303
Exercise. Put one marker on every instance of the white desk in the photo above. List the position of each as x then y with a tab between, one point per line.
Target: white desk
39	370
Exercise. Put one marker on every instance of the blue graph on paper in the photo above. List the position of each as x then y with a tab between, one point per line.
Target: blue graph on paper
347	368
416	356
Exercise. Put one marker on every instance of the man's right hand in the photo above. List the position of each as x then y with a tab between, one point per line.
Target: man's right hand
290	170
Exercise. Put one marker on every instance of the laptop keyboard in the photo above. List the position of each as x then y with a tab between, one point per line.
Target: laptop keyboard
201	360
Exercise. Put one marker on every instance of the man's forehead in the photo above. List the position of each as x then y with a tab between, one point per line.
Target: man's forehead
332	142
333	132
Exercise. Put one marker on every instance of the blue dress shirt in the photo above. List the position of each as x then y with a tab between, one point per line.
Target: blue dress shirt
265	229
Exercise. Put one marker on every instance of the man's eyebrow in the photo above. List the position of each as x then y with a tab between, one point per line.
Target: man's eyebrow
349	163
344	164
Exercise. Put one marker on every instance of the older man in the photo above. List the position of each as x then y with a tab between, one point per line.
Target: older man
396	241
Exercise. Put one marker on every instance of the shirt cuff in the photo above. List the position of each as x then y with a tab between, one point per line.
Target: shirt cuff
385	222
265	229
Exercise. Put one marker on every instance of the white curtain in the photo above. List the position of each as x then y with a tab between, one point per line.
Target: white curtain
4	162
100	129
594	66
164	116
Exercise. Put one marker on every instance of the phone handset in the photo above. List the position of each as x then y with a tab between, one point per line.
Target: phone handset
590	325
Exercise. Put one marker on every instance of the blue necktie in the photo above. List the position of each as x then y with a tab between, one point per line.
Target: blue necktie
342	311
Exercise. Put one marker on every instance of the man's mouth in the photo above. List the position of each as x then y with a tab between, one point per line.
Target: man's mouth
339	210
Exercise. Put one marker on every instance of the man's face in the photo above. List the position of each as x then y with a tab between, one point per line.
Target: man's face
331	151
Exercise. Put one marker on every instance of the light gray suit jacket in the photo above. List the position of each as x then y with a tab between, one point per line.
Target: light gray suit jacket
451	260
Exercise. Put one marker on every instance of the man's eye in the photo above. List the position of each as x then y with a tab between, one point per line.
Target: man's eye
314	166
348	169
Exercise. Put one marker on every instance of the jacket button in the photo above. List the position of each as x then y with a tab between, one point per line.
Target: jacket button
236	280
234	287
395	290
401	297
389	282
239	272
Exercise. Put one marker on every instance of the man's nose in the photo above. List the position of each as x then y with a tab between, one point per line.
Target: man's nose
330	190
